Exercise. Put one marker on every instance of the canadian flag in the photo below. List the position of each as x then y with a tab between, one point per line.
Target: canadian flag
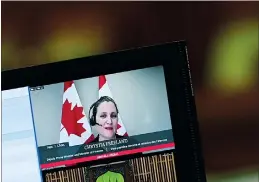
75	128
104	90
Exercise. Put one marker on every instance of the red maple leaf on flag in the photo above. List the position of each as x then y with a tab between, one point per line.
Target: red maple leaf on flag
70	119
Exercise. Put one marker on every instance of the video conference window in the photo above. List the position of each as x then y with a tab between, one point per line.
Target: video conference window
19	150
102	117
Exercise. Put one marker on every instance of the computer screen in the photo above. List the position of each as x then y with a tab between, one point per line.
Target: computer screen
124	116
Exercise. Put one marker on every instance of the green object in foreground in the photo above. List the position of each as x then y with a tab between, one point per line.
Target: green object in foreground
233	61
110	177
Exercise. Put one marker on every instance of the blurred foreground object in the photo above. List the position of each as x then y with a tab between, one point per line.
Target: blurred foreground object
228	104
233	61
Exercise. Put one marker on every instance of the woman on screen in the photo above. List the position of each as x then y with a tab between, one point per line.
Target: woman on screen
103	114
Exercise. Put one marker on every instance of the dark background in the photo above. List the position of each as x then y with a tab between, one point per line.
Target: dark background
222	42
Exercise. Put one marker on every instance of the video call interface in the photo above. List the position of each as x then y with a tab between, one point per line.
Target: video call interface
103	117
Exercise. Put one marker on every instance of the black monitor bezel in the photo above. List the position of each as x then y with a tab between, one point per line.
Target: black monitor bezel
174	59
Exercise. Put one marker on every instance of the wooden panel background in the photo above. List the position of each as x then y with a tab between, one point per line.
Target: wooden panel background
158	168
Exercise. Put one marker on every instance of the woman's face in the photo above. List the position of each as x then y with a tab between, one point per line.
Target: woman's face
107	118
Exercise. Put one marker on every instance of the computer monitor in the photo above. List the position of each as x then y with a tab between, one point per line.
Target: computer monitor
105	109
